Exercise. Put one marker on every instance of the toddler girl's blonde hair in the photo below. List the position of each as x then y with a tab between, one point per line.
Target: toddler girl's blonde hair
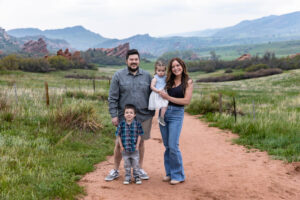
159	63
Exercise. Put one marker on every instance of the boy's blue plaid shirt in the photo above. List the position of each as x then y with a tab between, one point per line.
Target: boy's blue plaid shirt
129	134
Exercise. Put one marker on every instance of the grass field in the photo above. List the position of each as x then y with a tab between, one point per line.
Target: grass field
42	156
270	107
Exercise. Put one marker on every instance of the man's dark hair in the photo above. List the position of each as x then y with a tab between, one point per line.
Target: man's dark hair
130	106
132	52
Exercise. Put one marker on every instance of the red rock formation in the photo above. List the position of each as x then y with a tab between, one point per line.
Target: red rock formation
65	53
244	57
294	55
36	47
76	56
119	51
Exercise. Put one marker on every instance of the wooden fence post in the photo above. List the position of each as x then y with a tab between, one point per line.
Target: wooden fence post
234	109
47	93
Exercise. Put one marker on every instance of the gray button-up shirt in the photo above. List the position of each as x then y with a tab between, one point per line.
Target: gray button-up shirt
126	88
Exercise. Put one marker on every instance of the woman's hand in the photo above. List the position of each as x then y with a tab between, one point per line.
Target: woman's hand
163	94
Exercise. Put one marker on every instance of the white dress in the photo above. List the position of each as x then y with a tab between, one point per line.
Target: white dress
155	100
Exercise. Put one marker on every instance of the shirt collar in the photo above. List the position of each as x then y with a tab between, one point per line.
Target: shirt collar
133	121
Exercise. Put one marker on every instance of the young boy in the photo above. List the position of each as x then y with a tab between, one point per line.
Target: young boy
129	133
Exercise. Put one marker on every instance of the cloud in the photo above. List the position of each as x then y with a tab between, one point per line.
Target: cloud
119	18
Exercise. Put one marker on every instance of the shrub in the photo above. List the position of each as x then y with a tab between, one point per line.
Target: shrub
248	75
35	65
60	63
227	71
81	117
257	67
10	62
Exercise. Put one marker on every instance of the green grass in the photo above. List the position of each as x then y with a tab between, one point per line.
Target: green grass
39	158
274	127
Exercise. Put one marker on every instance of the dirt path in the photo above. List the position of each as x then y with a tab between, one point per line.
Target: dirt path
214	168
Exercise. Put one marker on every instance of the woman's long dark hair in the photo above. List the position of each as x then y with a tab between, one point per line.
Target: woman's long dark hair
171	77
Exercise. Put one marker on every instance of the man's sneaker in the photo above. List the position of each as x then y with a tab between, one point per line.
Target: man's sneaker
161	121
143	175
113	174
138	181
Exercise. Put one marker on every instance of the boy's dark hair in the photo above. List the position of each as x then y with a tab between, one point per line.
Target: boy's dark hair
132	52
130	106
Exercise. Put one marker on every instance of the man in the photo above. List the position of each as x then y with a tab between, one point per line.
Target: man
130	85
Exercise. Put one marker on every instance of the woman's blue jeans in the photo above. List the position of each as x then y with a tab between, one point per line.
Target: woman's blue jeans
170	135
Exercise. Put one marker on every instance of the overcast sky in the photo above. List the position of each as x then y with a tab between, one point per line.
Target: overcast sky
125	18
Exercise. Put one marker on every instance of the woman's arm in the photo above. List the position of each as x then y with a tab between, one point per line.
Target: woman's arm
152	86
181	101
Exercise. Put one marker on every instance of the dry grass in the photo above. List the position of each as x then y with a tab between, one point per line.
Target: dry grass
81	117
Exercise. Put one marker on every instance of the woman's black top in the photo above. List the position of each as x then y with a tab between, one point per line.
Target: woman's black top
176	92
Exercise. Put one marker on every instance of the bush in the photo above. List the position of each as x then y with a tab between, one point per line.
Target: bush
60	63
35	65
248	75
82	117
228	71
10	62
257	67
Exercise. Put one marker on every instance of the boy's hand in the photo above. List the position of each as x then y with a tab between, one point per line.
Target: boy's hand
122	148
115	121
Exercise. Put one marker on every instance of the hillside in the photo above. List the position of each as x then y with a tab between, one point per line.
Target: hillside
77	36
8	43
272	26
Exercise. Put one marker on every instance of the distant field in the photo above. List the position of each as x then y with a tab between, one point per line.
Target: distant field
281	49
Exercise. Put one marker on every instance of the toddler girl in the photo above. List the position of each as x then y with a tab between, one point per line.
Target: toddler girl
158	83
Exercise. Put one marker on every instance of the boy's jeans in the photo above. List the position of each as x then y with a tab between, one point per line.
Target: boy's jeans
170	135
131	160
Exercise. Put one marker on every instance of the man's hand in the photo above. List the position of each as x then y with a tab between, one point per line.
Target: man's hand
115	121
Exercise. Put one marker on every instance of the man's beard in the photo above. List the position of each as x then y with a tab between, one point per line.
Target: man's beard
133	70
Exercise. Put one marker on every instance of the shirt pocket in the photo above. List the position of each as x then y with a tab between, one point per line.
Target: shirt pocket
143	85
125	86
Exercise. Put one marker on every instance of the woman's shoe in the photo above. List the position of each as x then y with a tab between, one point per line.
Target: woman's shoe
166	178
174	182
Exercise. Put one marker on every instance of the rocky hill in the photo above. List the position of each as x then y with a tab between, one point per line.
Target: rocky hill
53	45
7	43
77	36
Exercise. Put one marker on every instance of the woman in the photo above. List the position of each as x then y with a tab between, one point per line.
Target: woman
179	93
